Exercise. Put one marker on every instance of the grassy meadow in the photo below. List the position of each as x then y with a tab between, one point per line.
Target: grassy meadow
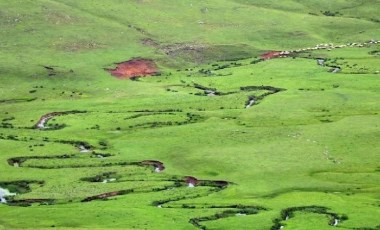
305	155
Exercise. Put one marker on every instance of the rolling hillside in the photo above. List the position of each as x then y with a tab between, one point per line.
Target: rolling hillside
152	114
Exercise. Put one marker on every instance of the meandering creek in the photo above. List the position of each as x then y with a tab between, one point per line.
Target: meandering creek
4	193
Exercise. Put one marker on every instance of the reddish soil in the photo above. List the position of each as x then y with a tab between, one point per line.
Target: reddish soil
191	180
134	68
270	55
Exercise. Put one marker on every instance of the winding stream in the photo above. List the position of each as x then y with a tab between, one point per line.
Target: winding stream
5	193
213	186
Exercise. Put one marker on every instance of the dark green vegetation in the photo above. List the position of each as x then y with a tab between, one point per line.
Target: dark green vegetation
223	137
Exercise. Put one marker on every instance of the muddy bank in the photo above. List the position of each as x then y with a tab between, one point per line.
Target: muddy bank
158	166
42	122
192	182
45	118
134	68
106	195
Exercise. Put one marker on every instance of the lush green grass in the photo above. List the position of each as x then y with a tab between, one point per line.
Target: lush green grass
313	144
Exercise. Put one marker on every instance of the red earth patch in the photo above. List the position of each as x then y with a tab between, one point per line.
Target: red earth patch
271	54
134	68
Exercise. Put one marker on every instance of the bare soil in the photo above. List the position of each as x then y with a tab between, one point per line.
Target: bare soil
134	68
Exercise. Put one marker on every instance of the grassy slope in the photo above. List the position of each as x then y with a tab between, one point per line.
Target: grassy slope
274	152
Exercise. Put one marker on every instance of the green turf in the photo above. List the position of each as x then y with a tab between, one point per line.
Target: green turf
311	143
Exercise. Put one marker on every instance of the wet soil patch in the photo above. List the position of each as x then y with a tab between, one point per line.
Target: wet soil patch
134	68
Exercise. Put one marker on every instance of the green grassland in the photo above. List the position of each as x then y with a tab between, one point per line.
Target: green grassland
304	156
